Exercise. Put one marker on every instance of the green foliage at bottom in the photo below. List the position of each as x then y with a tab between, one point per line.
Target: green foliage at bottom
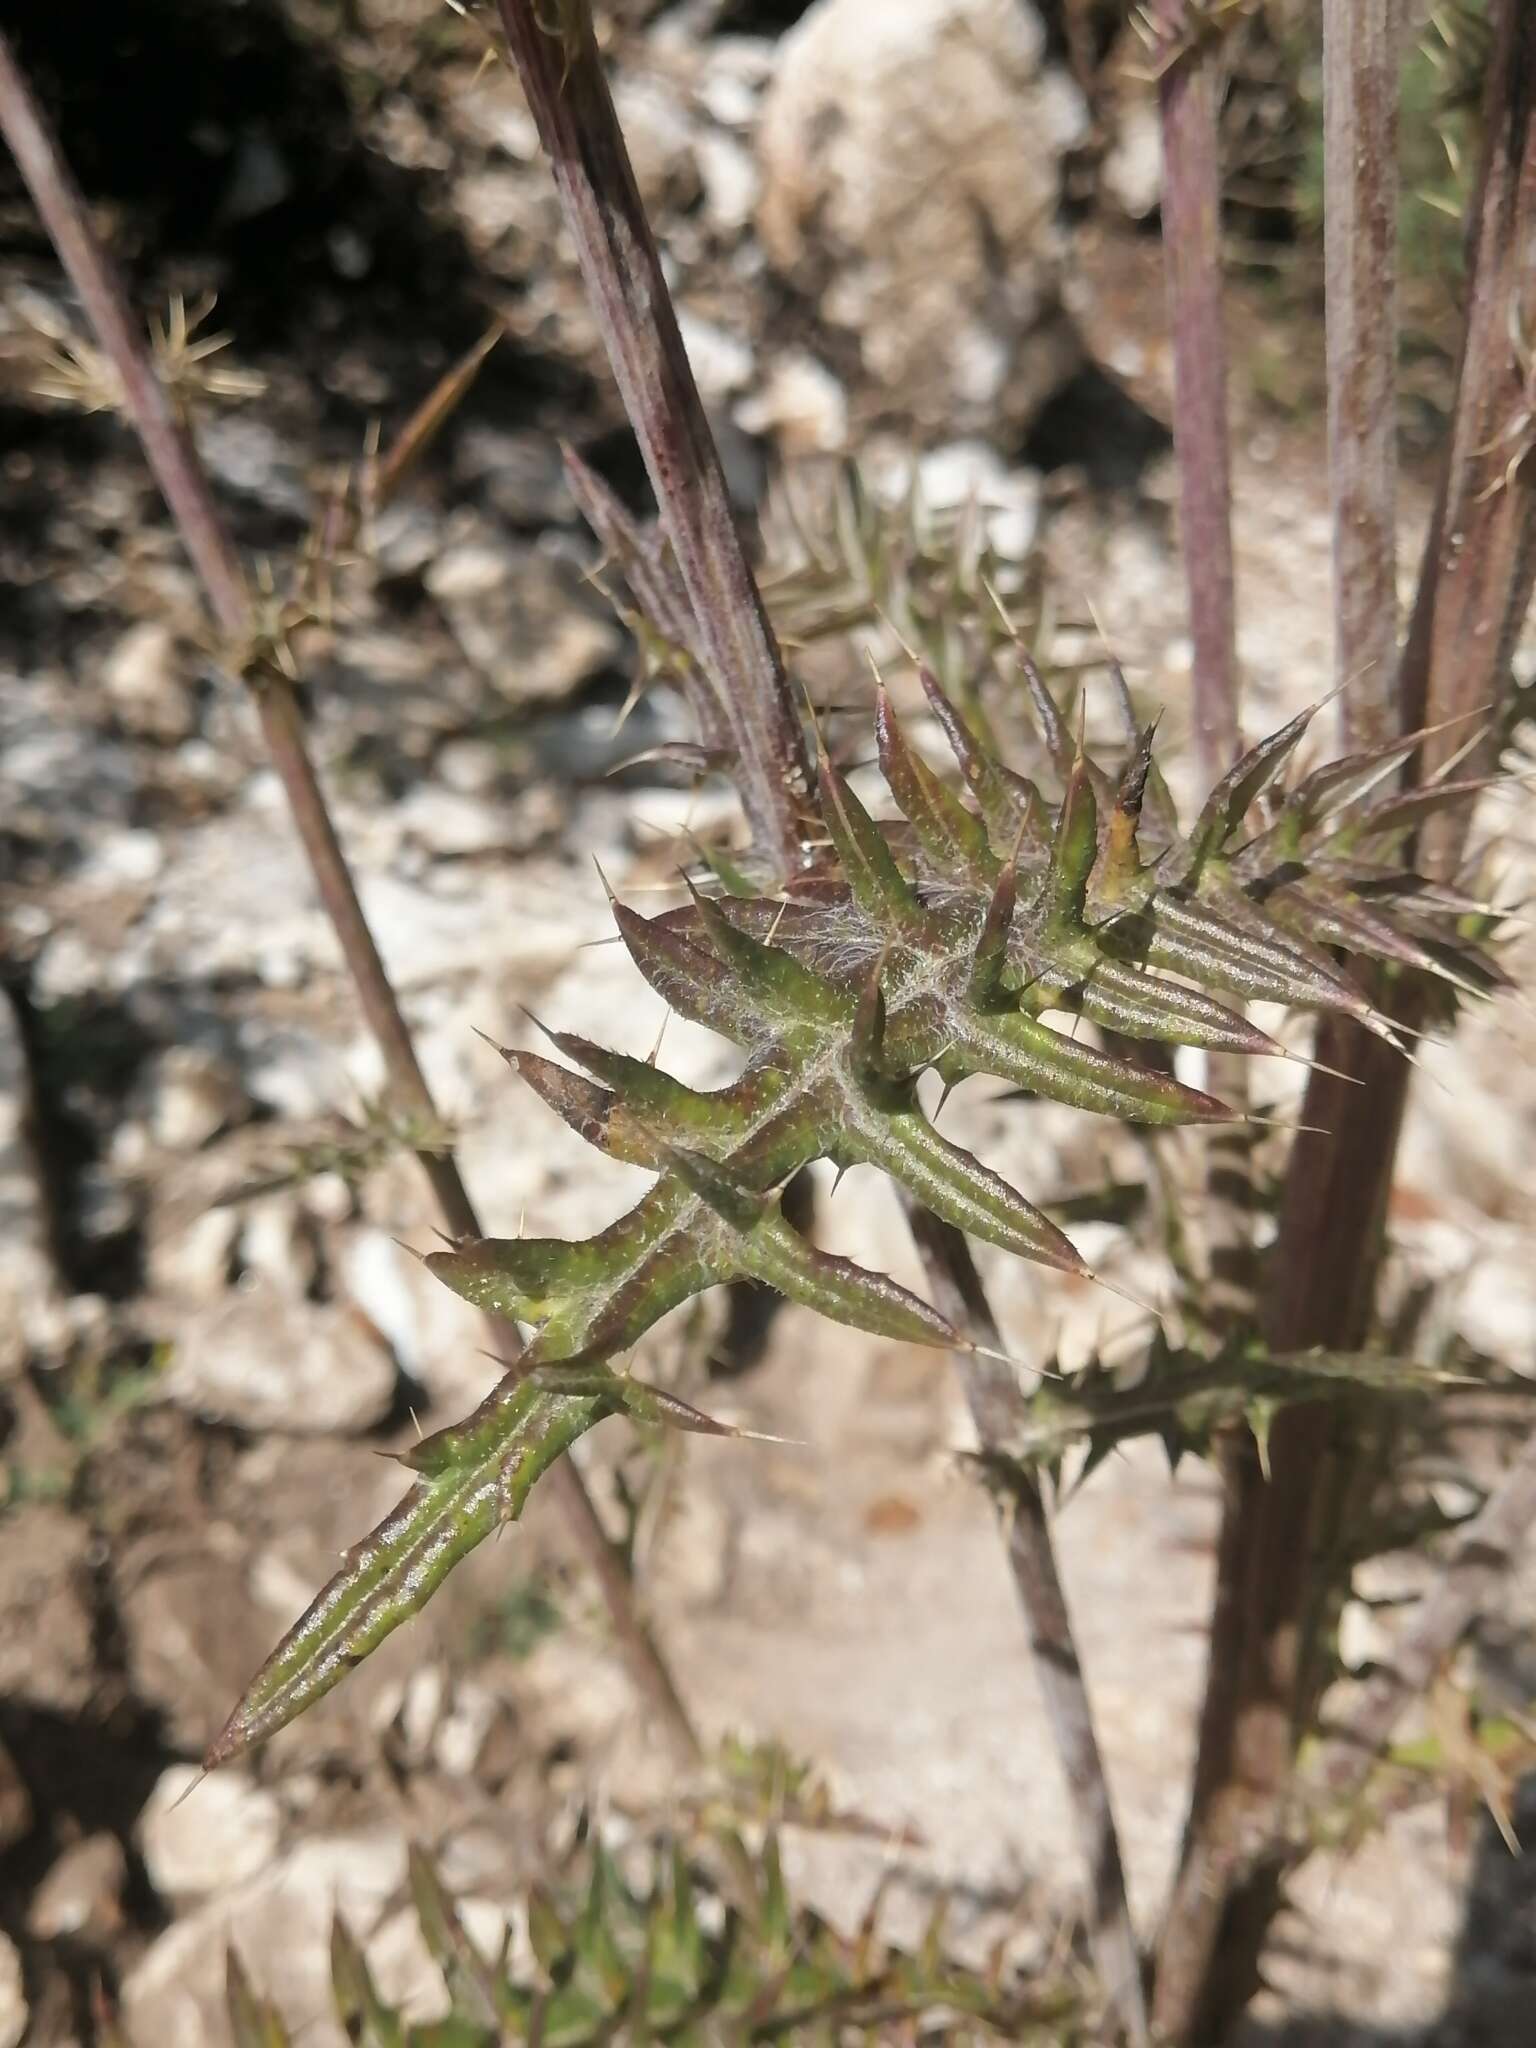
675	1963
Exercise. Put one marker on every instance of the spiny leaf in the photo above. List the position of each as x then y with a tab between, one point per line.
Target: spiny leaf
683	976
866	1039
985	985
767	974
656	1405
465	1971
481	1474
1137	1003
770	1249
645	559
955	838
617	1964
1116	878
1073	853
1394	817
1047	716
1232	798
879	887
1007	804
956	1186
1181	1397
1234	949
652	1093
1023	1050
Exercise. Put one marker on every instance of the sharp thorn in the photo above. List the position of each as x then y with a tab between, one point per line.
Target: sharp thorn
1018	1364
1280	1123
543	1029
187	1794
1115	1287
1313	1066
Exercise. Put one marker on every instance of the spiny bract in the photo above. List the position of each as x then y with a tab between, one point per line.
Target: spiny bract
944	941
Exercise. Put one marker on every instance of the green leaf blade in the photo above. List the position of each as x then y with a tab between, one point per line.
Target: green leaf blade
494	1459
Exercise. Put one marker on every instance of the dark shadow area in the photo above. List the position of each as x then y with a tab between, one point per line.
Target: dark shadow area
762	17
210	126
87	1777
232	154
1095	426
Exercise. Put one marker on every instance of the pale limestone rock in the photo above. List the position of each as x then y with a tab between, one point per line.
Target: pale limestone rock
263	1360
911	159
205	1837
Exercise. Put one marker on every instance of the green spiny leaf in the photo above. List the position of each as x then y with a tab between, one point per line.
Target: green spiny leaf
1023	1050
879	887
481	1473
1073	853
1008	805
954	1185
767	975
954	838
1229	802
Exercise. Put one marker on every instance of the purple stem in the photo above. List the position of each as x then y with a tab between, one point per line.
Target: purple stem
1189	94
1360	101
562	76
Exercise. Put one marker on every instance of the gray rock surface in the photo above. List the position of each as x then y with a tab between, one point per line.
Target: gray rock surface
264	1359
911	159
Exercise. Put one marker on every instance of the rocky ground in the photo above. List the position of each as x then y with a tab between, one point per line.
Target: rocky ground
208	1324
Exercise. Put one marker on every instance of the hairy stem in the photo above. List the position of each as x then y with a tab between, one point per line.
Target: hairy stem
178	470
555	50
997	1407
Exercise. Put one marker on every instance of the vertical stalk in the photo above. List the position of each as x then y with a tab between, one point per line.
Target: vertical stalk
183	482
1189	90
1474	593
997	1407
1360	99
1189	94
1475	581
562	75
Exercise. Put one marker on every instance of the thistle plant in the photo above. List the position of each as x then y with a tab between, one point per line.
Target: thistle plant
941	942
1041	916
